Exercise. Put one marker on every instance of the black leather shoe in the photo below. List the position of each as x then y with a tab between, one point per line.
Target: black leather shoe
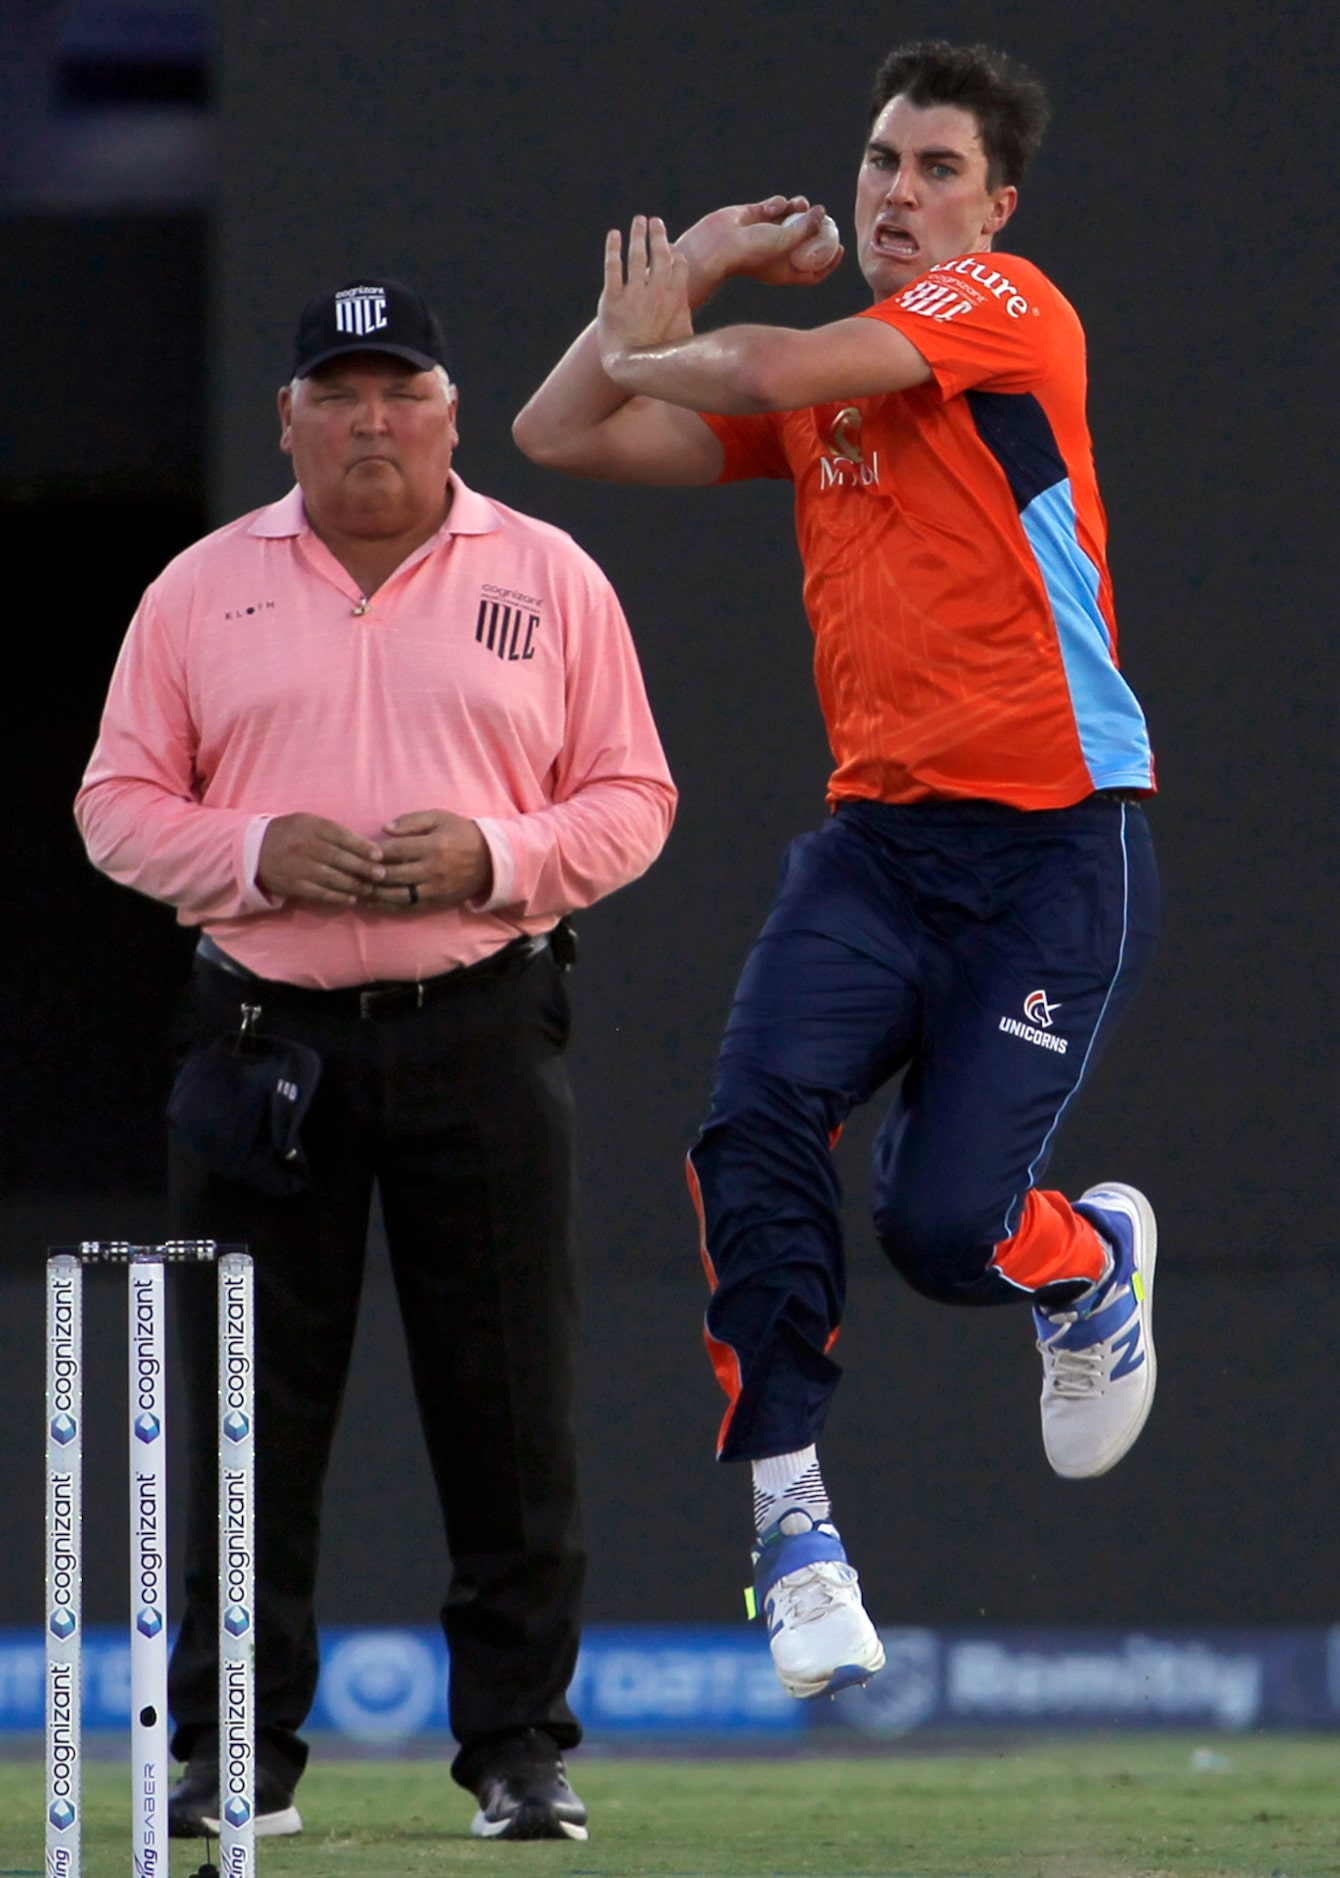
523	1793
193	1809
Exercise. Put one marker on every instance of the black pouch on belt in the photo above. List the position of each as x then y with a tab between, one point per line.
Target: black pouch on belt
240	1104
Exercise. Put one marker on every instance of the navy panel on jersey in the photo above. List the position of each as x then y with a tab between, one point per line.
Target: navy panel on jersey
1018	433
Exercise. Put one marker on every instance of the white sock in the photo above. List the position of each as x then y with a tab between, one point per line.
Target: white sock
789	1483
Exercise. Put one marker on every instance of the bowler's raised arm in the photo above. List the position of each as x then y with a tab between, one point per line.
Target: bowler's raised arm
581	421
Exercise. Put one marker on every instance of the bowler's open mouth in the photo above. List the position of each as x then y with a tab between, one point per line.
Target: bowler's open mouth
893	239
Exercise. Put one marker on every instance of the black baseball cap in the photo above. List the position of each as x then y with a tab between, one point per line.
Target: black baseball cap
368	315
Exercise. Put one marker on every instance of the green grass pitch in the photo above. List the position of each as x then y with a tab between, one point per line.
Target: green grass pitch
1085	1807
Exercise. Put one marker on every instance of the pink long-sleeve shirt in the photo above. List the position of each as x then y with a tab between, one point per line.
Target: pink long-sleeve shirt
493	674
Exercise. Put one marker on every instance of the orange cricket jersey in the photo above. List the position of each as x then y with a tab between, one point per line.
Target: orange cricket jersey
953	544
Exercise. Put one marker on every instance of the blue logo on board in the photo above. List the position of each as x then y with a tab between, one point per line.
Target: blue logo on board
149	1622
62	1624
147	1428
237	1812
237	1620
236	1426
64	1429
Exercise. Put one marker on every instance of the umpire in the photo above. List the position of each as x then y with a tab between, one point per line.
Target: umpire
374	742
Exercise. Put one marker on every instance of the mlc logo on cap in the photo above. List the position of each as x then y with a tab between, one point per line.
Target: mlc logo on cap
368	315
360	310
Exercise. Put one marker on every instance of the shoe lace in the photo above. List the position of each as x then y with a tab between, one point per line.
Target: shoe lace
1072	1372
805	1596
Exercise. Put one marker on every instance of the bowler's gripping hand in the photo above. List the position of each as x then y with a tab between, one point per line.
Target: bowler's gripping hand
433	855
749	238
305	857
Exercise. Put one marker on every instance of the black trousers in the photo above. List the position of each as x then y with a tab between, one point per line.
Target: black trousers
461	1114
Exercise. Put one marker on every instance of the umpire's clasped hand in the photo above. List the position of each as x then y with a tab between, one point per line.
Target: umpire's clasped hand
305	857
433	855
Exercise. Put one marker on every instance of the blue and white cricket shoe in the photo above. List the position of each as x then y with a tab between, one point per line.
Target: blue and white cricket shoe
810	1599
1098	1365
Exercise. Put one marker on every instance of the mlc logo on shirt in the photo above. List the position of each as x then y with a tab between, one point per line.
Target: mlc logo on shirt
360	310
507	623
935	298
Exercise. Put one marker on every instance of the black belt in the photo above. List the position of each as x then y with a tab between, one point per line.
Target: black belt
383	999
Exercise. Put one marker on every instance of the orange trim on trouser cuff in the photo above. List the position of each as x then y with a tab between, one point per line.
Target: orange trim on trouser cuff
725	1363
1052	1243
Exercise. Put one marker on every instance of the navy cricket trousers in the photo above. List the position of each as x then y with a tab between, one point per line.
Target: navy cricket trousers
985	952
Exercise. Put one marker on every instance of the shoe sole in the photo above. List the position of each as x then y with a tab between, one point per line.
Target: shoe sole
528	1823
1147	1227
844	1676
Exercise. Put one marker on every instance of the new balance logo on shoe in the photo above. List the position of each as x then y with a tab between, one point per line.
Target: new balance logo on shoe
1131	1354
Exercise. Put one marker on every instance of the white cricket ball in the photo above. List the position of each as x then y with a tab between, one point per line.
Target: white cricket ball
819	250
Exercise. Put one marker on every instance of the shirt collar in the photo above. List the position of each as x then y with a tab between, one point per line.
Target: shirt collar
469	514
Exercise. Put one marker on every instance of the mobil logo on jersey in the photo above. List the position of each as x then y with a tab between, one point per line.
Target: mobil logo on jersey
844	464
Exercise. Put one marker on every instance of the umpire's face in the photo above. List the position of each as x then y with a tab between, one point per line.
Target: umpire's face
371	441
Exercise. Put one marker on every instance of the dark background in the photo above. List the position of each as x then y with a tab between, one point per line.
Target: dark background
1185	203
